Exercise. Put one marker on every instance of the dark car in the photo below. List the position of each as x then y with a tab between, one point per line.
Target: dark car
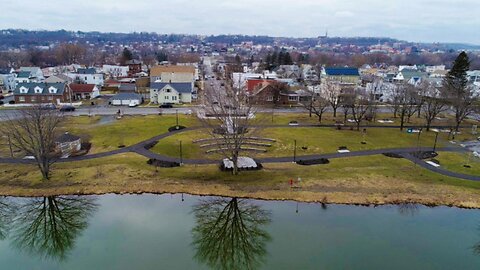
48	107
67	109
166	105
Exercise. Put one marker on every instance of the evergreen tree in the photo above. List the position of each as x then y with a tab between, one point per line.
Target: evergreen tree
127	54
161	56
287	59
457	91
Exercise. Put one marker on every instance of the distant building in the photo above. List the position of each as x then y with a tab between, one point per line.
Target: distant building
7	81
36	74
87	76
172	74
134	67
342	75
35	93
115	71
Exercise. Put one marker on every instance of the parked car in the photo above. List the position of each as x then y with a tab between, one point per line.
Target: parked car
67	108
133	104
166	105
48	107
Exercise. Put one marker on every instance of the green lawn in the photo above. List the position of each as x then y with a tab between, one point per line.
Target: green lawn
455	162
315	140
327	118
127	131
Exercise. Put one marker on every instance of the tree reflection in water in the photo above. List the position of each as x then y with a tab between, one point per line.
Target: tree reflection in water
7	208
229	233
408	209
48	226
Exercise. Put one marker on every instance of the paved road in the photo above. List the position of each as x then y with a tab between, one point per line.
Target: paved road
140	148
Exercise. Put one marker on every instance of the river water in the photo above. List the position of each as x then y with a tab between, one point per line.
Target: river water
191	232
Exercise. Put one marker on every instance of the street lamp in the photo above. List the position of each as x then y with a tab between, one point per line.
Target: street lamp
294	151
181	153
176	114
435	143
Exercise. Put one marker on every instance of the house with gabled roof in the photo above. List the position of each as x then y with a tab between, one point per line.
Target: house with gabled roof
38	93
162	93
84	91
36	74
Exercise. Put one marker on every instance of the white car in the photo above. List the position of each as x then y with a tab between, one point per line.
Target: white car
133	104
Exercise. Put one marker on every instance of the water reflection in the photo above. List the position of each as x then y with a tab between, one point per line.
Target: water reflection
229	233
7	208
48	226
408	209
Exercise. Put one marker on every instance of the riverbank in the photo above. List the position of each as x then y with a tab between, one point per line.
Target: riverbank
355	180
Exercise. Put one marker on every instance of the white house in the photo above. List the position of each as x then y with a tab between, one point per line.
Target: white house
7	81
87	76
115	71
36	74
161	93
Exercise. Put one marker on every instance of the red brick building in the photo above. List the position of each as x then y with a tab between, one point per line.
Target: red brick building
35	93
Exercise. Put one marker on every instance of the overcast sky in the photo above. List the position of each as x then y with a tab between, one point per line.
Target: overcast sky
412	20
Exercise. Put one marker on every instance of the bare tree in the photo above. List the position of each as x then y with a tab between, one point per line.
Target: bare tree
316	104
33	131
433	104
405	98
332	93
228	117
360	103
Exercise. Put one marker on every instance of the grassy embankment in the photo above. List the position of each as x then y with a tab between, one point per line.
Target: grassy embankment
373	179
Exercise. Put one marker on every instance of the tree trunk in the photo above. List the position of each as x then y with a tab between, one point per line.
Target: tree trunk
235	163
428	124
457	125
334	112
402	121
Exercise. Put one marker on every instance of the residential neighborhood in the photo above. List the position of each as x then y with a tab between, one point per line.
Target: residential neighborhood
232	135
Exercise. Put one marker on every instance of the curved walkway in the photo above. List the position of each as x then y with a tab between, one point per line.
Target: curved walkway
140	148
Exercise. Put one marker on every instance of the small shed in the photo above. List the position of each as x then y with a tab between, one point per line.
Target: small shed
68	144
125	99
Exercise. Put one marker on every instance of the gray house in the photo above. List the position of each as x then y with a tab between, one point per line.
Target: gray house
161	93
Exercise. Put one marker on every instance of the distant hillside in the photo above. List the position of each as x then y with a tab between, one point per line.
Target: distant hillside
18	38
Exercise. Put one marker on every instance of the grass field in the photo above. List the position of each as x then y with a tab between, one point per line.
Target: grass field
126	131
374	179
455	162
309	141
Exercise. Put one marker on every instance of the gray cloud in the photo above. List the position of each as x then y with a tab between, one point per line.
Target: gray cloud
415	20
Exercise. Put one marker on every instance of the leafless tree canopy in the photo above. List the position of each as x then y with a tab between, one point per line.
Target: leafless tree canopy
360	104
229	233
316	104
229	119
33	131
433	103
